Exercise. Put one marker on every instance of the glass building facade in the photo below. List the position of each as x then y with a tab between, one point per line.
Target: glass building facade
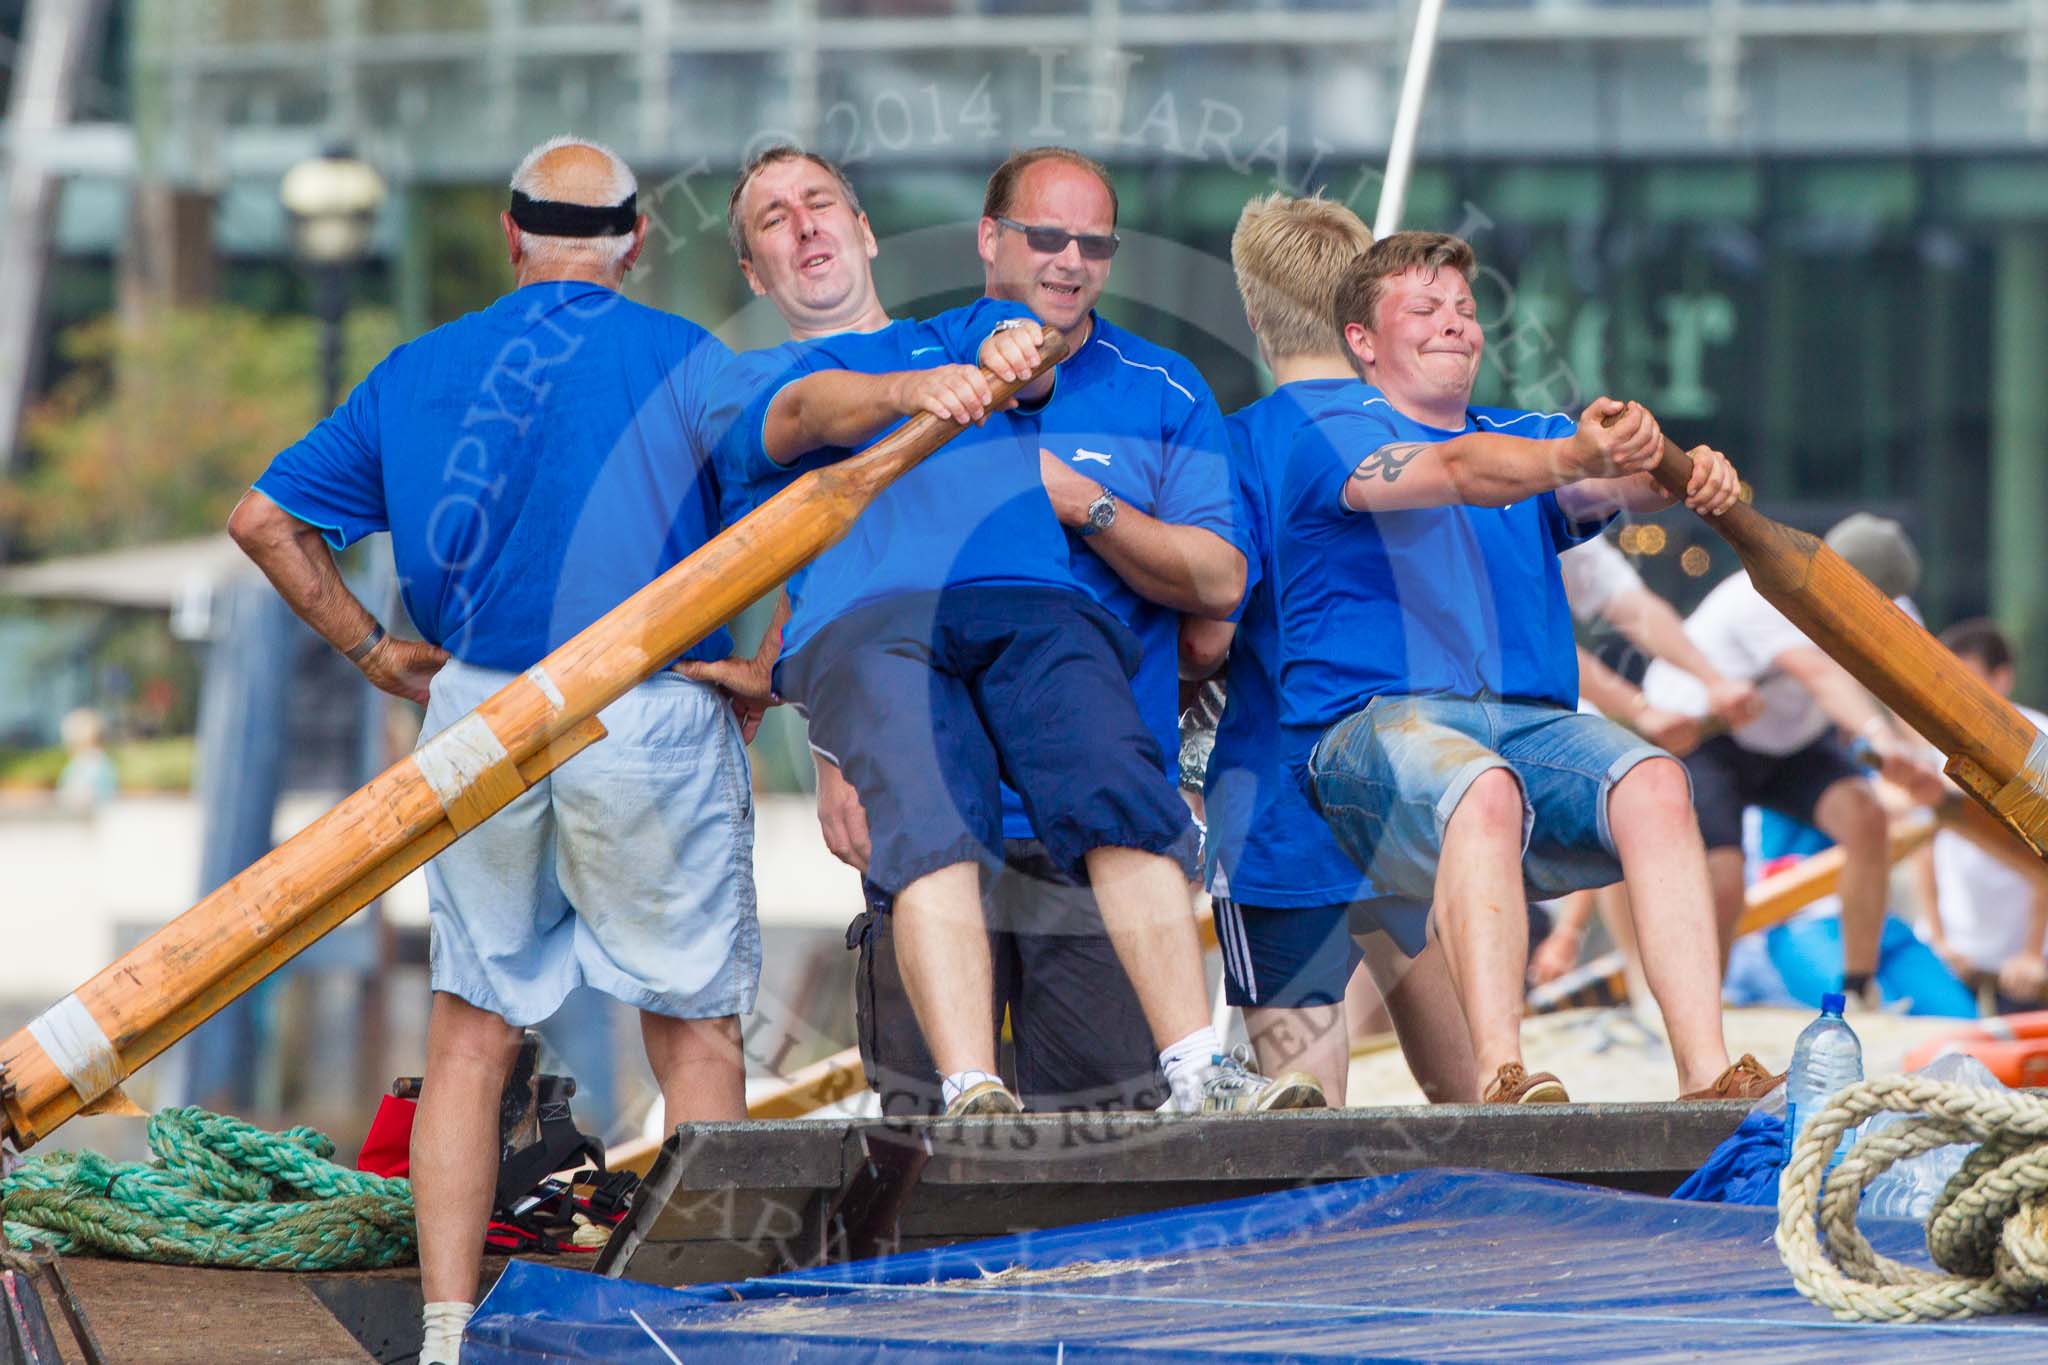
1811	232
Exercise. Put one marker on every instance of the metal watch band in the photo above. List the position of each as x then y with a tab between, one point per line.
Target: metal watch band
1101	513
366	644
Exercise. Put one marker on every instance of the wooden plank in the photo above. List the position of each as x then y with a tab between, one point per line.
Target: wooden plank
179	1315
826	1081
726	1195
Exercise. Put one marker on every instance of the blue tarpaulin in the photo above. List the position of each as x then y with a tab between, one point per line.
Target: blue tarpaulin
1427	1265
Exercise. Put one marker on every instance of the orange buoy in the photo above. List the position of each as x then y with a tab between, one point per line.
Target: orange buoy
2013	1047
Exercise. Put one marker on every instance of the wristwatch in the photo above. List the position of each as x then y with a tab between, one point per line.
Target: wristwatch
1101	513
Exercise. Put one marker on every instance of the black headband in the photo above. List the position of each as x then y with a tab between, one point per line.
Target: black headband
552	218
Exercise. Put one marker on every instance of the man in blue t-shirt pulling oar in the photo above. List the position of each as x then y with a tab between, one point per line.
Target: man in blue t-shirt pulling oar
1429	675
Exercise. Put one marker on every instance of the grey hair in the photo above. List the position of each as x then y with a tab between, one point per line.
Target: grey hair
620	182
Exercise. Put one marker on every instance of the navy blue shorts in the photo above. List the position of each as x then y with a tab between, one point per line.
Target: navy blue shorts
1294	957
929	701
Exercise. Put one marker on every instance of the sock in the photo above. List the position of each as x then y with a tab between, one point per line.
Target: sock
1188	1062
444	1322
1856	985
951	1086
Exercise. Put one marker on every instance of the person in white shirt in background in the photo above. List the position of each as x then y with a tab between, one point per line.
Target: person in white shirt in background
1805	756
1602	585
1986	916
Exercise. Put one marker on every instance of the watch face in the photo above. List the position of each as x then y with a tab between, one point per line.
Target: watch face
1102	512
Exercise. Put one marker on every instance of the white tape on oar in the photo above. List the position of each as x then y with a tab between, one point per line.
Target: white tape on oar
538	676
453	760
77	1046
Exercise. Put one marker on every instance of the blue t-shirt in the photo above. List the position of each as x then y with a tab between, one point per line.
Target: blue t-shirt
975	512
1456	601
537	463
1267	846
1138	419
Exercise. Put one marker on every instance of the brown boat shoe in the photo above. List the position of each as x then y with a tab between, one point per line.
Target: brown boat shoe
1514	1085
1746	1080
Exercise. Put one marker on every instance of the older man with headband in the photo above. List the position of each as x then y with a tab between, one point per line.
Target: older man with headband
536	463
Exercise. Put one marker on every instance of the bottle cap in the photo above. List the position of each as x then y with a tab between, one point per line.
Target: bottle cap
1832	1003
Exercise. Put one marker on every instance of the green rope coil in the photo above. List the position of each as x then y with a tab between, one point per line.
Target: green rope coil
221	1192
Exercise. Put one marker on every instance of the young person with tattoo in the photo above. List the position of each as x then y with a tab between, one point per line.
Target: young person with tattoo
1429	673
1294	916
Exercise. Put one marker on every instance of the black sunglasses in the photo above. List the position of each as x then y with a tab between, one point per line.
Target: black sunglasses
1051	241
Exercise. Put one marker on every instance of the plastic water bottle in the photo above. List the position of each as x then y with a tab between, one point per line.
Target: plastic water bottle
1827	1057
1908	1188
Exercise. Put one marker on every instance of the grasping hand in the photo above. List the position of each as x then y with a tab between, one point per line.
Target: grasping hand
1614	439
1715	486
1012	354
1671	731
1738	703
1900	763
2023	976
745	683
956	393
403	667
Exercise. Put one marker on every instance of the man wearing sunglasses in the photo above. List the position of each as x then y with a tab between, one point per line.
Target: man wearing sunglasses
1133	454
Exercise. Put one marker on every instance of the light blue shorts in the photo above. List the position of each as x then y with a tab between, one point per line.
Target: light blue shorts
1388	778
629	869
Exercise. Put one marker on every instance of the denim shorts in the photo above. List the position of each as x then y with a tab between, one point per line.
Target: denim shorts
1388	778
630	868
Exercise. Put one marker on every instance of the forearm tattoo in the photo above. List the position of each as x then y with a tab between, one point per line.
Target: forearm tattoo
1388	462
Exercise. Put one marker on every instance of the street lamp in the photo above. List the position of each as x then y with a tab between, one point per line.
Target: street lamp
333	200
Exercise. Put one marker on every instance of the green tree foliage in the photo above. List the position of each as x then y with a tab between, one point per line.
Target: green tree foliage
157	427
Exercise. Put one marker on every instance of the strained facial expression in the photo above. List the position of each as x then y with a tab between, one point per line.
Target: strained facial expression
810	250
1426	341
1061	285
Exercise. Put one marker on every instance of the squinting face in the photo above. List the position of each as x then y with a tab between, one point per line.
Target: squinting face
1426	342
810	250
1059	288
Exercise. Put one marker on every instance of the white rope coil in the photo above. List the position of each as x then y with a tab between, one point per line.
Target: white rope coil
1989	1228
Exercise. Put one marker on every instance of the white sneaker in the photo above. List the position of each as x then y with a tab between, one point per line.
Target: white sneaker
1231	1087
982	1099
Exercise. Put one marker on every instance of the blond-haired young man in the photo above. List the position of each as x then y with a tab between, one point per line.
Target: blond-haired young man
1288	903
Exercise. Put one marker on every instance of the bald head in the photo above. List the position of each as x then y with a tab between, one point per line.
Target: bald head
571	170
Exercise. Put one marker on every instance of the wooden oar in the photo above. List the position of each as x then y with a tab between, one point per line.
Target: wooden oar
1993	752
85	1046
1774	899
